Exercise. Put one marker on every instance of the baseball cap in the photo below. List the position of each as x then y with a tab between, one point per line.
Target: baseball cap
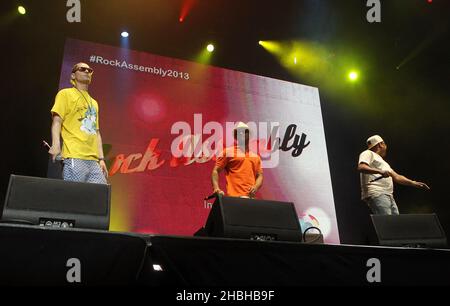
373	141
241	126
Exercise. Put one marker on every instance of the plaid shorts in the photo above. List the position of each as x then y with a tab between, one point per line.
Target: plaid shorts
80	170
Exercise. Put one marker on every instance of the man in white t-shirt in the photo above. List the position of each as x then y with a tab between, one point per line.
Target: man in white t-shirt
377	178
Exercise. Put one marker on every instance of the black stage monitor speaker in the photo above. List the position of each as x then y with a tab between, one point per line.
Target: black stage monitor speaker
232	217
57	203
409	230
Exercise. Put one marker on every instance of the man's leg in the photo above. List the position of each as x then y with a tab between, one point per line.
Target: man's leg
95	173
394	206
75	170
380	205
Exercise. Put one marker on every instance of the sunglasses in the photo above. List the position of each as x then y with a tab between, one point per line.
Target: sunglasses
83	69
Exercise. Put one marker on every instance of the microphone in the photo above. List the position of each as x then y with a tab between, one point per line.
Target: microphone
376	179
210	197
45	143
58	157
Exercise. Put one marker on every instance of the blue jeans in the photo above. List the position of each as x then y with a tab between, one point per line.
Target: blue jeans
382	205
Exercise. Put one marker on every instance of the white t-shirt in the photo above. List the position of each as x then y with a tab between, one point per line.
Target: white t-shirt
379	187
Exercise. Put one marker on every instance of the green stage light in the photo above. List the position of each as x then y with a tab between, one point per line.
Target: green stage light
205	54
353	76
21	10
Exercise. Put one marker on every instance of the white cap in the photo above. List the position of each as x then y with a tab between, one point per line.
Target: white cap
241	126
373	141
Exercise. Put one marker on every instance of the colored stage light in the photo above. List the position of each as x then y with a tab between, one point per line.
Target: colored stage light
158	268
353	76
124	34
205	54
271	46
21	10
295	60
186	8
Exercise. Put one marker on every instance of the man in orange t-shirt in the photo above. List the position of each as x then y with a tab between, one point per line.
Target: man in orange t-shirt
243	171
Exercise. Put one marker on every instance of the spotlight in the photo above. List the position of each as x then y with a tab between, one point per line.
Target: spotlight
353	76
21	10
124	34
210	48
157	268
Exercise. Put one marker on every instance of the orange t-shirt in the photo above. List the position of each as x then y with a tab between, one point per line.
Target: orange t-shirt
240	170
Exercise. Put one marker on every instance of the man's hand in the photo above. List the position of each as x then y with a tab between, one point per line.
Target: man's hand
218	191
104	168
252	192
401	179
385	173
54	152
421	185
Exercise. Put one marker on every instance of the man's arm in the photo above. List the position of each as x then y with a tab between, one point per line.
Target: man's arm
257	186
365	168
101	156
55	149
215	180
403	180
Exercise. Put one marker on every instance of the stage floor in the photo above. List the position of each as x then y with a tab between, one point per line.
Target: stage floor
46	256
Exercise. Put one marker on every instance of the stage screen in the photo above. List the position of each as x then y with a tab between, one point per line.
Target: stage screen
153	108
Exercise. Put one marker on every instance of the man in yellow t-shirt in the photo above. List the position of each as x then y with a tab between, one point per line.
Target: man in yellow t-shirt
243	169
75	120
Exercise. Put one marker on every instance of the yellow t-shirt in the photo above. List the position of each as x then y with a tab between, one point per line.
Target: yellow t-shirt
79	114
